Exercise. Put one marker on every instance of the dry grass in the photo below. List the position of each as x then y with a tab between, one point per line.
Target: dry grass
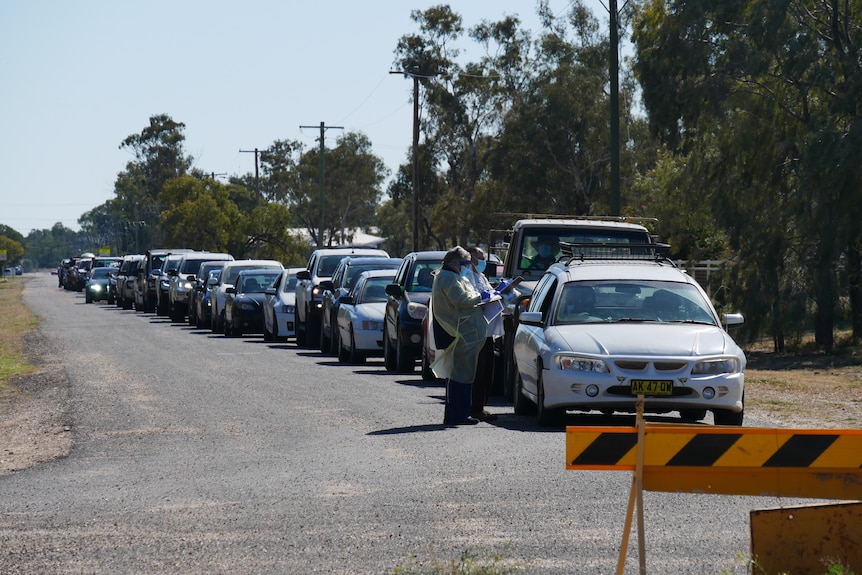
806	388
17	319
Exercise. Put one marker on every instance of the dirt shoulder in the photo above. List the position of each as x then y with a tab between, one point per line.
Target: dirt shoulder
801	391
35	424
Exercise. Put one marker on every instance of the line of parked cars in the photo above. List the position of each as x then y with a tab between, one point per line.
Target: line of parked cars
607	322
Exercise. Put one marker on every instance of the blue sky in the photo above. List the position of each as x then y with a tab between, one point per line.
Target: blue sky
78	77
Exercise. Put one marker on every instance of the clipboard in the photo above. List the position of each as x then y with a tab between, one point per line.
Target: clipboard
511	285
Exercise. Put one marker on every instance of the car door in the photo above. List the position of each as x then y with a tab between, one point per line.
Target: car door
530	339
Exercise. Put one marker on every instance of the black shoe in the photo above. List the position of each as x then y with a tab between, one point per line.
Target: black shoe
485	416
468	421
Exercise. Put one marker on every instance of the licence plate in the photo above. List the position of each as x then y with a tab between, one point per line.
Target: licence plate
652	387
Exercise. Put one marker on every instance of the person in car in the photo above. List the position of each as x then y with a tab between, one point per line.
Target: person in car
455	303
546	248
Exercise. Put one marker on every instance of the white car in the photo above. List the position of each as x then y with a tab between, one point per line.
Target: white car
598	332
279	309
227	279
360	316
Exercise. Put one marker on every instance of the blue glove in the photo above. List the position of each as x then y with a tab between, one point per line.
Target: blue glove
486	295
502	285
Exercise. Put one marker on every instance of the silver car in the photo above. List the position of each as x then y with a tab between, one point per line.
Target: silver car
597	333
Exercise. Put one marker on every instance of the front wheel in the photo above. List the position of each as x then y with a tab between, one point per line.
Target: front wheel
404	360
522	405
727	417
301	335
388	352
548	417
355	356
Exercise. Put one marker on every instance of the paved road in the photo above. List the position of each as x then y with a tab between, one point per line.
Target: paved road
196	453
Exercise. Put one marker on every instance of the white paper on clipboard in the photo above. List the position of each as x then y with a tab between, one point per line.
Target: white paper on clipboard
492	308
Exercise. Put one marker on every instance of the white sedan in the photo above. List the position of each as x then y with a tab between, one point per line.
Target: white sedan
360	316
597	334
279	311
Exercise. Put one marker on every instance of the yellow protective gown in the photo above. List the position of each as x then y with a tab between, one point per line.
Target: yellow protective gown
454	301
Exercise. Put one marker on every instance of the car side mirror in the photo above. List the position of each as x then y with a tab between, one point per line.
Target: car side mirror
212	282
230	289
269	291
347	299
190	278
531	318
394	290
173	273
733	320
327	285
303	275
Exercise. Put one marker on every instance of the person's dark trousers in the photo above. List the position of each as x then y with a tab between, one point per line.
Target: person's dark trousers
457	408
484	378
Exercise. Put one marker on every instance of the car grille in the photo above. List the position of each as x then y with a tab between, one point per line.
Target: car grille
641	365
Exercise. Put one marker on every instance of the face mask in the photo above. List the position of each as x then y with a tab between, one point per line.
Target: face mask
465	271
480	267
545	251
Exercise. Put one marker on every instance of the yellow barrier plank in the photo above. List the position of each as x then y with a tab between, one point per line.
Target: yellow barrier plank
815	463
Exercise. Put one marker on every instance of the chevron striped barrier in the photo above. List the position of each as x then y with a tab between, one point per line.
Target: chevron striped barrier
822	464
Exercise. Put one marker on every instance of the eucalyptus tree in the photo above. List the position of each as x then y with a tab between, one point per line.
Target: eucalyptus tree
773	88
158	156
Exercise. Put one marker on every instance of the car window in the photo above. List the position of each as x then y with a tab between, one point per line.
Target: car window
374	290
423	278
632	301
328	265
541	292
233	271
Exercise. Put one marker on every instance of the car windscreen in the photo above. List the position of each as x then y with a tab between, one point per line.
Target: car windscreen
631	301
101	273
374	290
233	271
255	282
353	271
531	248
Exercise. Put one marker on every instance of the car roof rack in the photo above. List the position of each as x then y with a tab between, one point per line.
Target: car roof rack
580	252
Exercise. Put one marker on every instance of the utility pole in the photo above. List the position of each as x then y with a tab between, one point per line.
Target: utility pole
615	106
414	73
256	174
323	128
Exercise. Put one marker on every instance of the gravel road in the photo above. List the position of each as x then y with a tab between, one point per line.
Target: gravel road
195	453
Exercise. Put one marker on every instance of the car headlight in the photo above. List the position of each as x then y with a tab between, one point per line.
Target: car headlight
716	366
245	306
417	310
288	309
186	286
315	292
96	287
578	363
164	284
368	325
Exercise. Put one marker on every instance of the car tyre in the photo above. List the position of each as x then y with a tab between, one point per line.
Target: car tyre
325	343
522	405
692	415
547	417
388	352
267	335
727	417
404	360
355	355
301	335
427	373
343	354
